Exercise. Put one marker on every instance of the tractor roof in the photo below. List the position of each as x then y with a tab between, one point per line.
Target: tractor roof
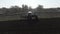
29	11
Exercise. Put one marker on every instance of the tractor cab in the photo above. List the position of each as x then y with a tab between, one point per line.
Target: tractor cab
29	13
31	16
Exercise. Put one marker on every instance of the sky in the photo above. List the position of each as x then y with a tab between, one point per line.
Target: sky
32	3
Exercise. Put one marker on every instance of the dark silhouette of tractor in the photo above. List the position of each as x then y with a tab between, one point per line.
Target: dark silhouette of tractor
32	19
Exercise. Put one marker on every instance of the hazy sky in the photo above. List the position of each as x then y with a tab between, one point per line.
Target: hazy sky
33	3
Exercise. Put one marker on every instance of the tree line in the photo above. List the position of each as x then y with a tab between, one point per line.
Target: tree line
21	11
